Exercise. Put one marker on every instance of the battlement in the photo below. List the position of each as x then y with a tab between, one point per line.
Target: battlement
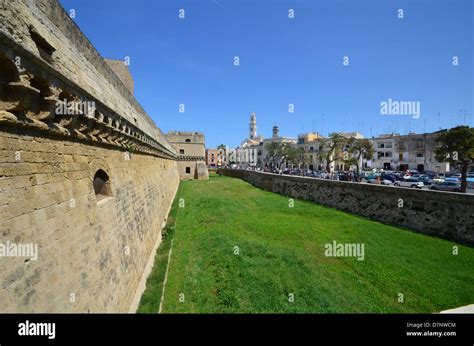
185	137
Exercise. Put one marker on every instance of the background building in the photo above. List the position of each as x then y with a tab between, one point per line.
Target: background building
253	139
311	143
248	154
314	146
190	147
275	138
391	151
407	152
216	157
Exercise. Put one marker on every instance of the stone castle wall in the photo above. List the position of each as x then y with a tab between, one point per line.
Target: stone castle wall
122	71
23	26
442	214
94	255
95	251
191	150
182	136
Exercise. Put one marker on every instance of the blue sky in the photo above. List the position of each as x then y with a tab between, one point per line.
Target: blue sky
289	61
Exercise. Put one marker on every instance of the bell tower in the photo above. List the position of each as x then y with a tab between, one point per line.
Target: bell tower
253	126
275	131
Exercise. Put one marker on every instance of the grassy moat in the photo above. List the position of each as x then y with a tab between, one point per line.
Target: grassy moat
239	249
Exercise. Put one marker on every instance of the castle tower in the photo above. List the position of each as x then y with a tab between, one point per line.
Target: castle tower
275	131
253	126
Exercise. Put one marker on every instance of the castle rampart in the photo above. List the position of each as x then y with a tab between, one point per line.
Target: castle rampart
90	187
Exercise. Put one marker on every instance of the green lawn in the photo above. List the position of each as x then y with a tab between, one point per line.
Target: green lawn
281	251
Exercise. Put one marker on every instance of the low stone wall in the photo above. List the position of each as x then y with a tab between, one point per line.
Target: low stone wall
442	214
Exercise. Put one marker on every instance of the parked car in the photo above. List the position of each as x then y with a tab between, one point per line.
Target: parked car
437	180
369	176
459	175
456	177
431	176
404	175
447	186
409	173
320	174
382	181
425	180
410	182
392	177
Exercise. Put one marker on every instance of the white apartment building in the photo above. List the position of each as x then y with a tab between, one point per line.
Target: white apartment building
406	152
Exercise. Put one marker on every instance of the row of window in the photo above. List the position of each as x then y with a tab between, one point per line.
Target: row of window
389	154
384	154
401	157
385	145
419	144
